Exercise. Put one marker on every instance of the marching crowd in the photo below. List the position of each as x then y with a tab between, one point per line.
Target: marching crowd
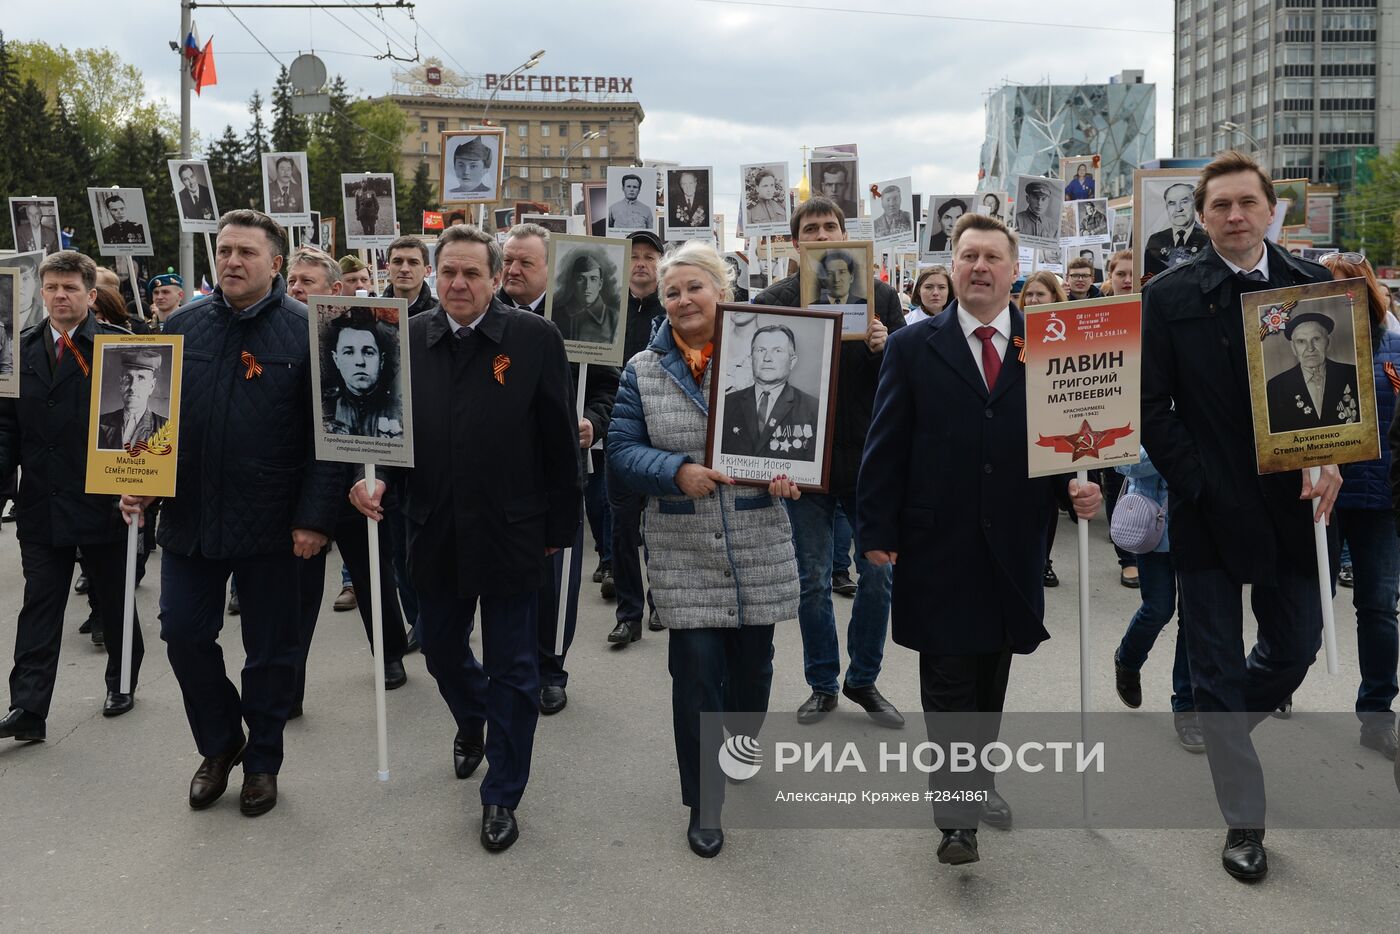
928	474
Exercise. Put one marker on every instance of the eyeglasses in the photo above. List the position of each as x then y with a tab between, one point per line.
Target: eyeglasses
1356	259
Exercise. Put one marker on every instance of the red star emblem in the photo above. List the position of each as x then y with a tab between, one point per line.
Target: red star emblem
1086	442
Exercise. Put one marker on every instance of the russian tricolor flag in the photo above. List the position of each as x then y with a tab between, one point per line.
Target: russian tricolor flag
201	60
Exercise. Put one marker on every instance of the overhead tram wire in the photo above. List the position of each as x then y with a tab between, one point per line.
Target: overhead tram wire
385	24
937	16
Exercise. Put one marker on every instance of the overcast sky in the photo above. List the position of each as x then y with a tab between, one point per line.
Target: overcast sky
722	83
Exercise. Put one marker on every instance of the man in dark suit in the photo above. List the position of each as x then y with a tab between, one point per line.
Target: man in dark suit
525	281
1183	240
31	234
1319	390
253	502
483	519
196	203
819	220
838	274
944	497
771	418
134	421
1229	525
45	432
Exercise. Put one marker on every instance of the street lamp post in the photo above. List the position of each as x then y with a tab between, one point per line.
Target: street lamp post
1230	126
564	182
524	66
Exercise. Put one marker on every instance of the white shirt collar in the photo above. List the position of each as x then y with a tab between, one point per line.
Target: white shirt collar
452	322
58	336
1261	266
1001	322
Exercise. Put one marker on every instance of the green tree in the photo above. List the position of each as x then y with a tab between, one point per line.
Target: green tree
71	167
9	90
290	132
418	199
29	139
333	149
1371	220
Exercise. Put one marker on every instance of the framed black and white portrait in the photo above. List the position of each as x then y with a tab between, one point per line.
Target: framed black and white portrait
587	297
119	217
765	198
554	223
360	374
1039	207
892	212
367	200
1166	230
993	204
194	195
595	208
773	394
737	264
35	225
1091	220
470	168
944	211
629	199
839	277
31	297
134	399
10	329
836	175
688	209
284	179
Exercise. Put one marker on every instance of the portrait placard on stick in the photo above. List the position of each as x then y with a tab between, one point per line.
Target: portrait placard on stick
368	209
629	199
587	298
35	224
944	211
1309	359
360	380
1080	174
773	394
1038	210
119	217
1083	362
764	198
10	327
284	188
689	212
469	170
31	298
1166	232
194	195
841	276
134	425
892	212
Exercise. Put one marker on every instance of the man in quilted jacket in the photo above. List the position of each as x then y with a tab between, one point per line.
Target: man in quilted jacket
252	502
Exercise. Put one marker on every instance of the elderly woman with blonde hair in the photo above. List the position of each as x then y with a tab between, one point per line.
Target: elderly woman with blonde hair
719	556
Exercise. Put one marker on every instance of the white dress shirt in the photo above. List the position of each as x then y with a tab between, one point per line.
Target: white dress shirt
1261	266
1000	340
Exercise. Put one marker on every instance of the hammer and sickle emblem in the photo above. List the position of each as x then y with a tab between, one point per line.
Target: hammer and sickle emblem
1054	330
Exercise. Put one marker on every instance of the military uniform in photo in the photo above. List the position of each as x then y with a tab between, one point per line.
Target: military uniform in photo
631	215
284	199
1301	397
119	429
892	225
123	232
776	422
1170	247
596	324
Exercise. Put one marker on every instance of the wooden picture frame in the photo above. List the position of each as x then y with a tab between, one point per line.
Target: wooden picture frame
795	434
469	188
814	288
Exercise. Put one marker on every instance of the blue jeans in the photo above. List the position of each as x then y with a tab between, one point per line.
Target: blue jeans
813	522
595	505
841	543
1375	563
1158	606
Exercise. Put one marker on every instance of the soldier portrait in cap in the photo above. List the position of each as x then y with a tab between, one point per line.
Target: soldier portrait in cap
194	195
893	210
1312	384
135	390
765	197
587	298
471	166
119	217
1038	210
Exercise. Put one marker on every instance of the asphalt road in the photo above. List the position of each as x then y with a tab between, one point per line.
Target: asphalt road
95	833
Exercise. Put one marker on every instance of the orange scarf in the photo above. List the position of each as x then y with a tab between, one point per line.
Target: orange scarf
697	360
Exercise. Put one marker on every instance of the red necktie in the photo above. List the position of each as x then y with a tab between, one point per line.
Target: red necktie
991	361
58	350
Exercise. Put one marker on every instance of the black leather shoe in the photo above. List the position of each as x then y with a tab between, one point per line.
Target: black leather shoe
880	710
1049	578
553	699
98	636
654	622
81	584
1131	581
296	712
1244	856
608	590
233	608
1128	683
118	703
1345	576
211	778
1188	732
626	632
498	827
841	583
1382	741
958	847
468	749
705	842
1284	710
996	812
816	707
412	645
603	569
86	627
259	793
394	675
22	726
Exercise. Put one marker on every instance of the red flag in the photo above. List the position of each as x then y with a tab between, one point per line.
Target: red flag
202	69
432	220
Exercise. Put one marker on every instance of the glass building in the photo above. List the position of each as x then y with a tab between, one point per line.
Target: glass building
1031	127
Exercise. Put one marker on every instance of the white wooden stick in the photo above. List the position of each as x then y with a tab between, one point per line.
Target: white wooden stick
213	270
135	288
1324	581
1084	693
133	534
376	586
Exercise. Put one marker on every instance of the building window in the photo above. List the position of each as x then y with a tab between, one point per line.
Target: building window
1297	22
522	129
1183	96
442	126
1217	111
1348	87
587	172
564	172
1294	123
544	151
585	129
1297	55
1260	96
523	171
1237	106
1222	48
524	150
1258	128
1241	9
546	172
1261	29
1239	71
1347	123
544	129
586	152
462	123
423	148
1185	40
1217	80
549	191
1261	62
1203	60
602	152
422	126
1201	117
1202	29
1239	42
1349	55
1295	88
1201	87
1183	123
1348	21
1221	16
563	129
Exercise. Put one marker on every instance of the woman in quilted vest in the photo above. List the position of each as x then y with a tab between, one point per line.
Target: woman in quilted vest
719	556
1365	519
